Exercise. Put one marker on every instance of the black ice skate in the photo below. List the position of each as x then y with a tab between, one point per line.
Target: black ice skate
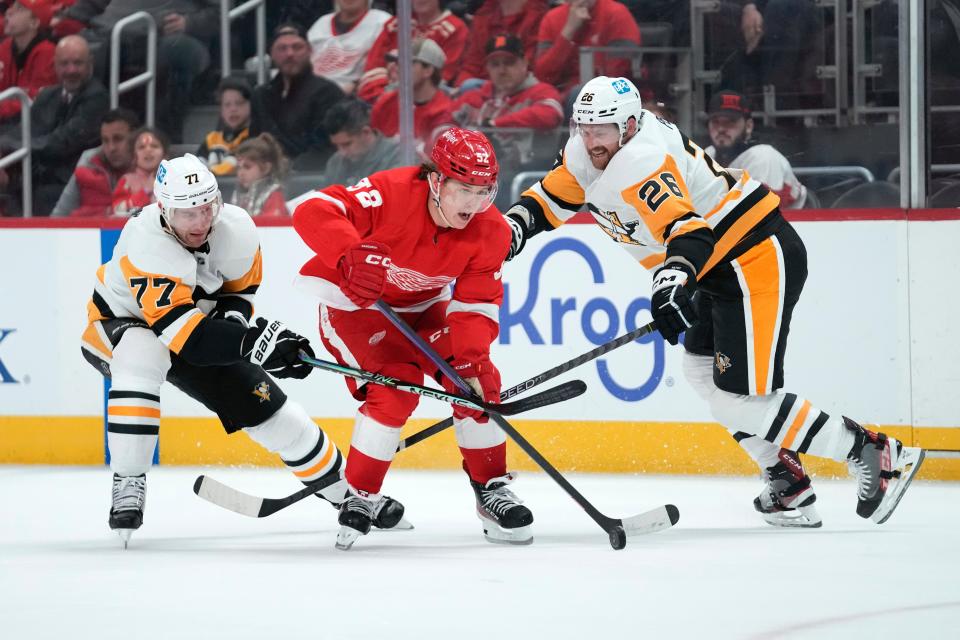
360	511
883	468
787	500
388	513
505	520
126	512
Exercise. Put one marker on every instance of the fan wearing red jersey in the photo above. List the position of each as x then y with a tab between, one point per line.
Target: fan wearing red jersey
404	236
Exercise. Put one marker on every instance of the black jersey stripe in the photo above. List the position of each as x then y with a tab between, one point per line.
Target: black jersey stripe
568	206
739	211
170	317
102	306
789	400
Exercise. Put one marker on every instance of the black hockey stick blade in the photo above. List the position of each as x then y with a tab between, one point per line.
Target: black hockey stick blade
217	493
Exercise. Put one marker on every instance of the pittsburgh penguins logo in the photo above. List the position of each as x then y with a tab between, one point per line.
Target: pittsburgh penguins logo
722	362
262	391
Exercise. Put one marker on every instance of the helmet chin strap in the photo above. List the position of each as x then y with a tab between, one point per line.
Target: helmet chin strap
435	192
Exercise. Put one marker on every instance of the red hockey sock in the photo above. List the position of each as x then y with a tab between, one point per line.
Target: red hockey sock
365	473
483	464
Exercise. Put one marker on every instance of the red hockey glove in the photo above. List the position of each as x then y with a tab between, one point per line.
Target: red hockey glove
485	380
363	272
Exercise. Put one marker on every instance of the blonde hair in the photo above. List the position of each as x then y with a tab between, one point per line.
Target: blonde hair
265	149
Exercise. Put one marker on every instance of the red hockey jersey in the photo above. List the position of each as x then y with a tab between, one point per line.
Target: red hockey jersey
391	207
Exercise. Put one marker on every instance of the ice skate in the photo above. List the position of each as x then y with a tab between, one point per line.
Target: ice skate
126	512
356	518
387	514
883	468
505	520
787	500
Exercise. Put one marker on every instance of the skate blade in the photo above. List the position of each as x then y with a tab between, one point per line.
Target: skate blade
125	536
911	458
498	535
403	525
800	518
346	537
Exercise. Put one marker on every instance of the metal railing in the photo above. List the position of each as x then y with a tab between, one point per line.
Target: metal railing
148	77
681	91
22	153
836	170
521	181
227	16
894	175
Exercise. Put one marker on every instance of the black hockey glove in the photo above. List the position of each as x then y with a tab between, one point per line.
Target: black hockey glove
276	349
672	308
517	217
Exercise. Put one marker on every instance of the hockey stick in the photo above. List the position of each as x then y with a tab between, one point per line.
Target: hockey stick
256	507
617	529
530	383
553	395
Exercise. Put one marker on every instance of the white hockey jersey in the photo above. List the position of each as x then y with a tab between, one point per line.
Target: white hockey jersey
770	167
340	57
656	188
153	277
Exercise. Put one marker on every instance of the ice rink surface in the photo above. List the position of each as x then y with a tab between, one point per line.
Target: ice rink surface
196	571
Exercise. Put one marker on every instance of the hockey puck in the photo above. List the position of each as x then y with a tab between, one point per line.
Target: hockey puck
618	537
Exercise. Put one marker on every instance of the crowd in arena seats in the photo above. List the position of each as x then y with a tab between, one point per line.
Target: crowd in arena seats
328	112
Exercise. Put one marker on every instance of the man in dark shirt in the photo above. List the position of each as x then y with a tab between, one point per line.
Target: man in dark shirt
64	121
291	107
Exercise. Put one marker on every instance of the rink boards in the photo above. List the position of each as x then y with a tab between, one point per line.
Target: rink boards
870	338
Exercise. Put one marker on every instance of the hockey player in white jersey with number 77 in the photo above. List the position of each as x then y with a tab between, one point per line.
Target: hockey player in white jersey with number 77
174	304
717	232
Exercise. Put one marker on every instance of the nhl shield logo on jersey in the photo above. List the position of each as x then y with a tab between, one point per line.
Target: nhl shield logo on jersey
722	363
262	391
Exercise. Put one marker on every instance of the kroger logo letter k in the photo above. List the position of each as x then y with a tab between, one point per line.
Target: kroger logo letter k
5	377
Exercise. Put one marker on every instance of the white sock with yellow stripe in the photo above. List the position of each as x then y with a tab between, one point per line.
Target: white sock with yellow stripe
133	427
303	446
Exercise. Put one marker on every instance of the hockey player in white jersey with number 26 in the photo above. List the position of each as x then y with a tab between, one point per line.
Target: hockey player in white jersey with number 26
175	304
718	233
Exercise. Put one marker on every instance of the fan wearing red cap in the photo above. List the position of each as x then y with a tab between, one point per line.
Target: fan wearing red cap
26	57
404	236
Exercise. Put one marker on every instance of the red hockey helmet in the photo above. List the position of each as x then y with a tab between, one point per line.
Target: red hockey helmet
466	156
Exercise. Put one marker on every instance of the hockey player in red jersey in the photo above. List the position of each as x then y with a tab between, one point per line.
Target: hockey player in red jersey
405	235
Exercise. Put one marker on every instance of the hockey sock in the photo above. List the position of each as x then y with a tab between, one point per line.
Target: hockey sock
306	450
371	451
483	464
133	427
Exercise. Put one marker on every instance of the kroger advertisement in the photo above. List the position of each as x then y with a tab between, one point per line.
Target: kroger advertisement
850	342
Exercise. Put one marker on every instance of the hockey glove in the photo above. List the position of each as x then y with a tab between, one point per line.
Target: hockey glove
672	308
482	377
363	272
276	349
517	217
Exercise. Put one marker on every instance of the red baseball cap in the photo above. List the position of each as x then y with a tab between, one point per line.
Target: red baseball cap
41	9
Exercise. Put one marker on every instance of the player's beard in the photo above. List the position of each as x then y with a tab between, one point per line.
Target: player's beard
600	157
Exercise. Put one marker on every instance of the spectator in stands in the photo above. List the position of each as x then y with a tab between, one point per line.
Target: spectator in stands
341	40
731	132
511	98
518	17
361	149
90	190
64	120
429	21
218	148
187	30
566	28
433	108
26	55
291	106
135	189
260	172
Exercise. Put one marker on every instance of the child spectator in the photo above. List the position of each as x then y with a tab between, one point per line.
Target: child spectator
218	148
26	56
261	166
433	108
340	41
517	17
429	21
595	23
135	189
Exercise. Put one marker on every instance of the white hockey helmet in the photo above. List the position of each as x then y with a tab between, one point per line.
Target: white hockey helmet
183	183
605	100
